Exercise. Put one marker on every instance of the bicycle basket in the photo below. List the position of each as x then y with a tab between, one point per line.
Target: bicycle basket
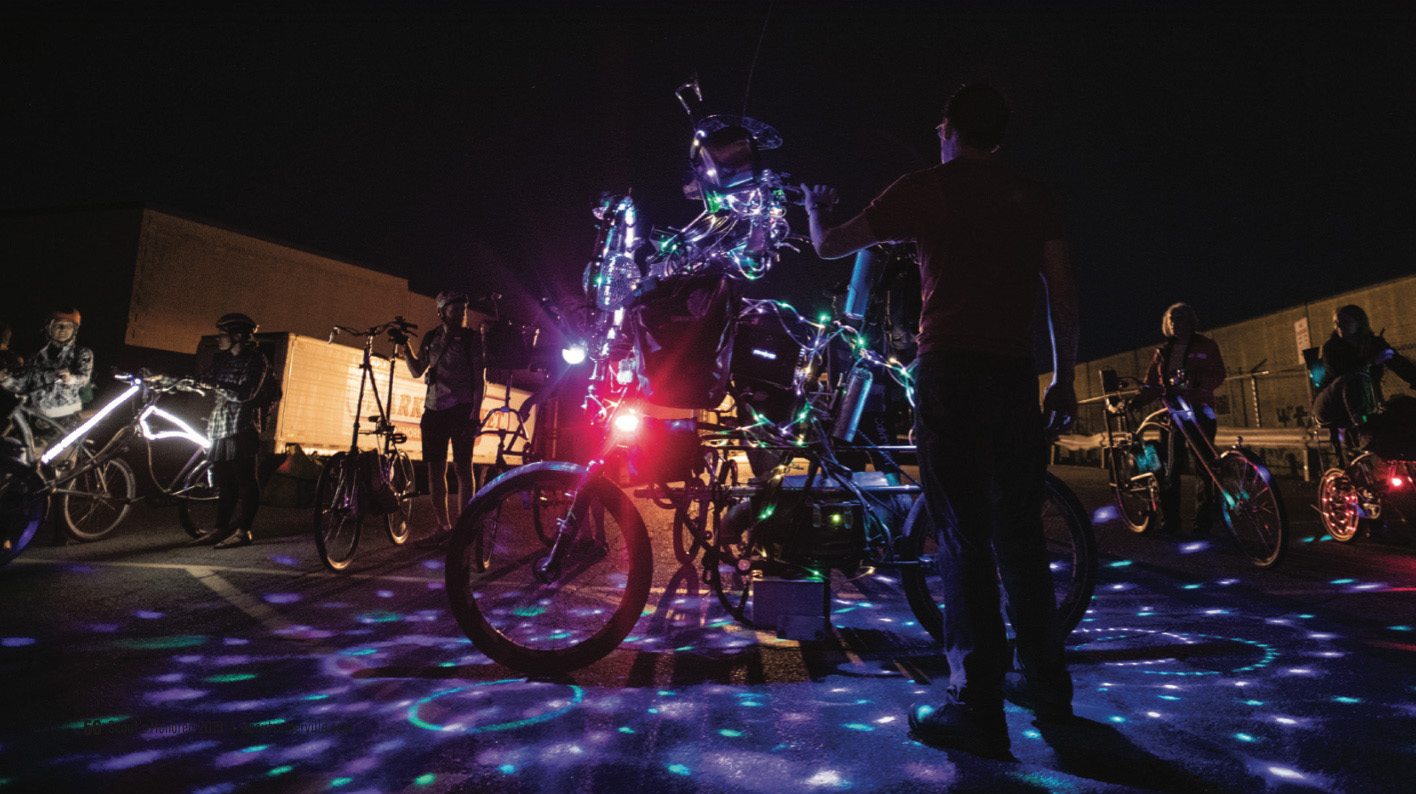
683	333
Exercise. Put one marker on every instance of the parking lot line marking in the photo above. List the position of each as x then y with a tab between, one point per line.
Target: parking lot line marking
256	608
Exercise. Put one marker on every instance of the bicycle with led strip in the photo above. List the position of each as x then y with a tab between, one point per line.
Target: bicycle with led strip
92	481
549	566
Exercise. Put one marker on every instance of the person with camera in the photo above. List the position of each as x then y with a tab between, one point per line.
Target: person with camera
990	244
236	375
1190	362
449	360
58	377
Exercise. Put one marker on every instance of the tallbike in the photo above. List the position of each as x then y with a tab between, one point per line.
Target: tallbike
93	483
1141	463
372	482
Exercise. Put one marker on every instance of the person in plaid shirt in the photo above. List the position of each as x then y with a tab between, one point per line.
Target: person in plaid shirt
236	375
55	377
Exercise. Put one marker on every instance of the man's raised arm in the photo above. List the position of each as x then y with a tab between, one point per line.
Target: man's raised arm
838	241
1060	402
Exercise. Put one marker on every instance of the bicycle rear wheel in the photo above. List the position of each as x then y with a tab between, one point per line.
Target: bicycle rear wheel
1252	508
23	504
405	486
97	500
338	517
1071	553
527	610
196	501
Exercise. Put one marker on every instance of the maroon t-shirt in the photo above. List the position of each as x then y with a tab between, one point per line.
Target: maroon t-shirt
980	230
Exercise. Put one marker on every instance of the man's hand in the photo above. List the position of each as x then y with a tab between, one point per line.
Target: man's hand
818	197
1384	356
1059	408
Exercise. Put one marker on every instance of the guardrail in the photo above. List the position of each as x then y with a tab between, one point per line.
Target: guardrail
1255	437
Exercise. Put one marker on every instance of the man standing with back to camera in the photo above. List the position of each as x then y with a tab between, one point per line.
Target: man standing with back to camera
988	240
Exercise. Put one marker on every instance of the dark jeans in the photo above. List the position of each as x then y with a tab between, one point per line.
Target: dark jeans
982	456
1183	461
233	467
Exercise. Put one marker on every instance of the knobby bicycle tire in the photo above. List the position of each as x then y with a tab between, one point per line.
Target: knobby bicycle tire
548	623
1072	557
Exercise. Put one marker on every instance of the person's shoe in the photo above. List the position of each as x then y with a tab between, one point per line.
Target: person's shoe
437	540
238	538
210	538
1021	693
955	726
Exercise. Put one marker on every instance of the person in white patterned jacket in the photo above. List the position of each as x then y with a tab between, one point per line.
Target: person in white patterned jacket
55	378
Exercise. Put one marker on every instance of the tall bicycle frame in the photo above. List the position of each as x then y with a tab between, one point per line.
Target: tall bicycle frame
350	486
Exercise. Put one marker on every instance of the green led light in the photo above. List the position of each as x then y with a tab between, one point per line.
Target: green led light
424	780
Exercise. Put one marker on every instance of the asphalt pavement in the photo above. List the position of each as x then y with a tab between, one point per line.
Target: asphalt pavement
139	663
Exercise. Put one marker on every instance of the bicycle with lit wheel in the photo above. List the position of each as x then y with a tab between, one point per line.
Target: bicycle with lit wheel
93	483
549	567
359	483
1140	468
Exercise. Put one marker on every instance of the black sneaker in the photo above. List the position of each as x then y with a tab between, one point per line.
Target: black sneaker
1022	694
955	726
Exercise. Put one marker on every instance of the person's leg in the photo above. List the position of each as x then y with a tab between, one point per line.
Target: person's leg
1021	547
1205	498
1172	451
953	430
435	441
464	437
228	493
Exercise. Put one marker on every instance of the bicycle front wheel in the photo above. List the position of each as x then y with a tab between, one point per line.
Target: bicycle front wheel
405	487
23	504
1071	556
1252	507
1136	491
530	609
98	499
196	501
338	517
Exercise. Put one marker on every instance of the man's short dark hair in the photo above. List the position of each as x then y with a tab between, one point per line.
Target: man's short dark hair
979	113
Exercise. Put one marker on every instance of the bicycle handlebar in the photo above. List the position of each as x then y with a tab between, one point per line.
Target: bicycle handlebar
397	326
163	384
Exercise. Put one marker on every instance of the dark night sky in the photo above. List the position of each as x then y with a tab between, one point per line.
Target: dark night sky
1243	160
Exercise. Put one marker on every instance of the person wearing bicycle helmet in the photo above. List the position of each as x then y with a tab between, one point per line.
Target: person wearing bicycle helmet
1190	363
449	360
991	247
57	377
236	375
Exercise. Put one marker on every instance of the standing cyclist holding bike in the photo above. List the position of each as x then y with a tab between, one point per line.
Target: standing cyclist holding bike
1192	359
989	241
236	375
449	360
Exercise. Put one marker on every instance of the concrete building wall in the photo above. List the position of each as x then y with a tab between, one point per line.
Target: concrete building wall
187	274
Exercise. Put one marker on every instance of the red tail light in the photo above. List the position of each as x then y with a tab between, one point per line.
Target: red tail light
627	422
